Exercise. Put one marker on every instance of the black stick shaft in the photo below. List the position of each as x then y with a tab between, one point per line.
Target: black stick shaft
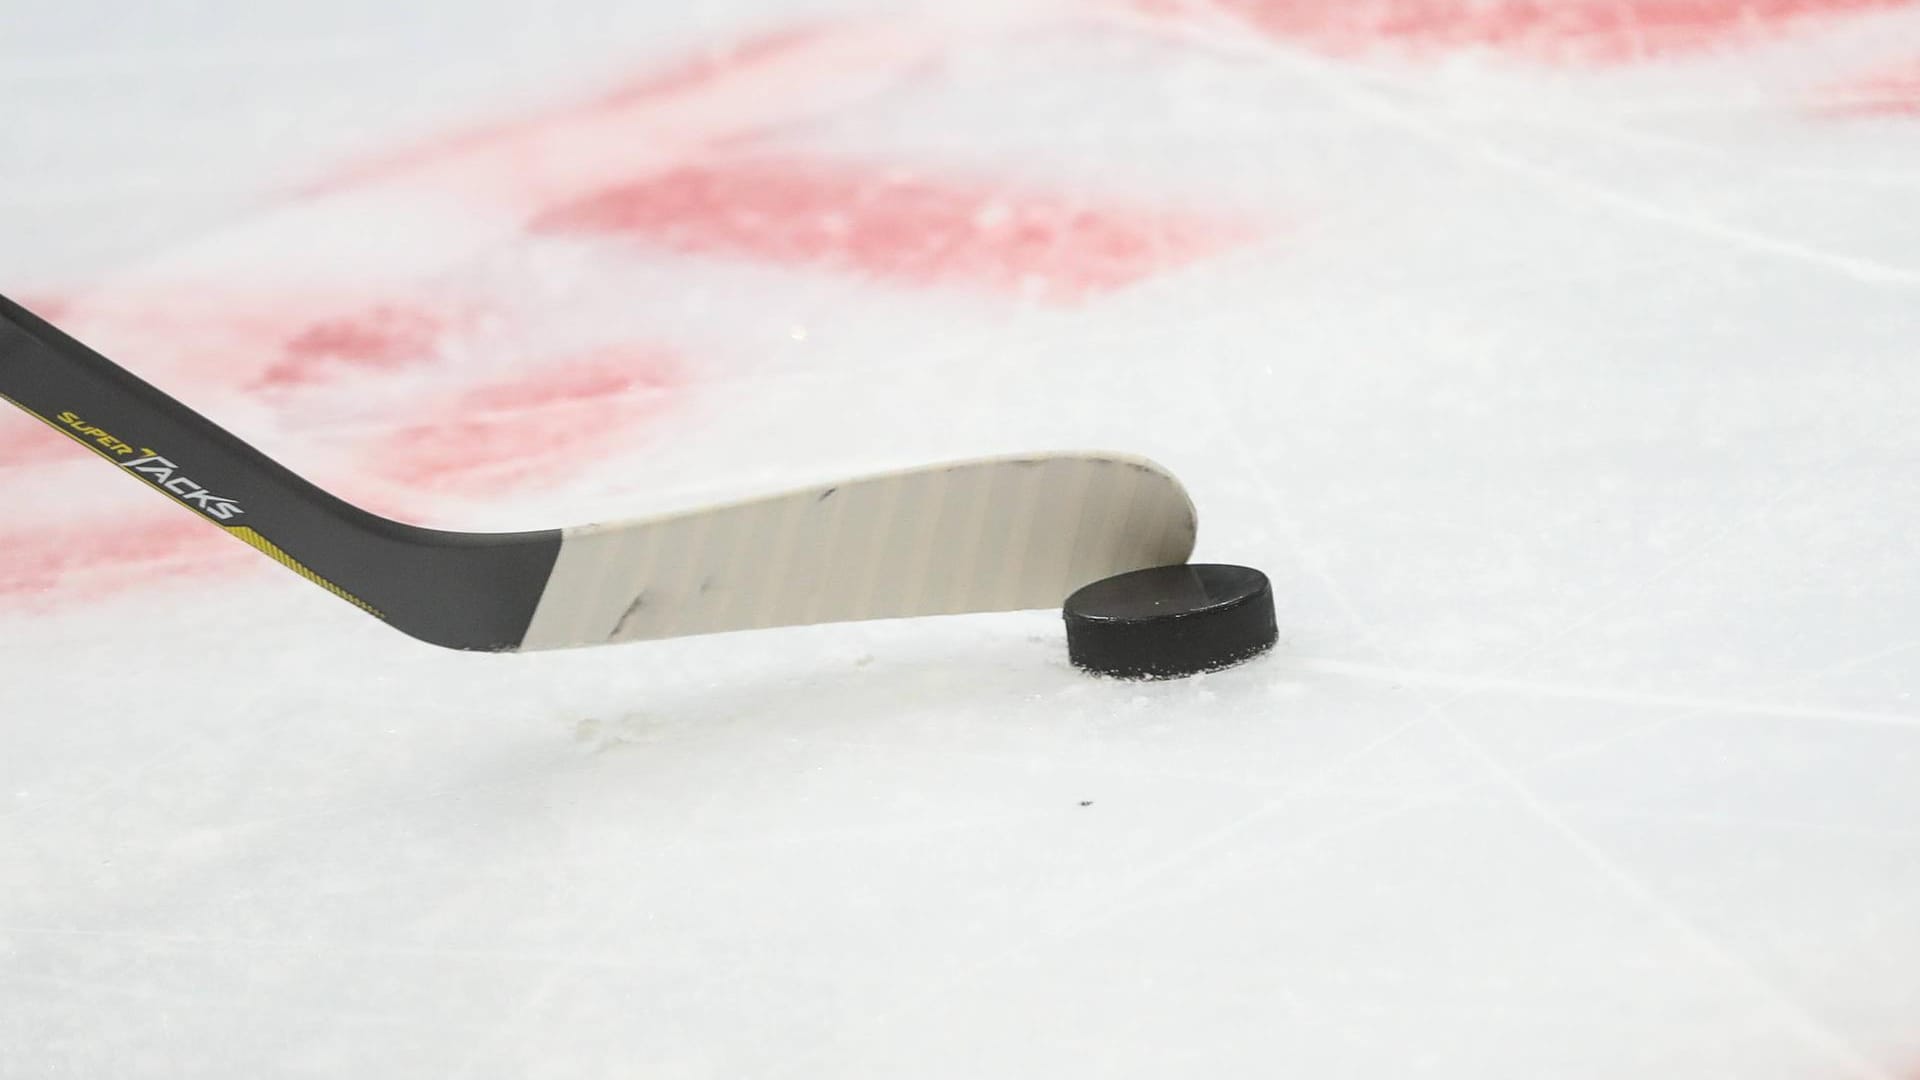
459	590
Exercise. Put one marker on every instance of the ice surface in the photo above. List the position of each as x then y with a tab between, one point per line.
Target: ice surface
1560	363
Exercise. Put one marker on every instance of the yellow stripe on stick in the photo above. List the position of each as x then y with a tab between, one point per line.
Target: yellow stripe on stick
266	547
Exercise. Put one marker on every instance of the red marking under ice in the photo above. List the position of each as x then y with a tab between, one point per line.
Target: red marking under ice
1595	31
682	79
24	439
69	563
1893	92
700	72
897	225
379	339
50	308
533	425
193	340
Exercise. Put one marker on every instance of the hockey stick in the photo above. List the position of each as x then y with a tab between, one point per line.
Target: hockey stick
991	535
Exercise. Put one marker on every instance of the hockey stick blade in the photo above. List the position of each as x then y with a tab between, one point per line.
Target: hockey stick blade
996	534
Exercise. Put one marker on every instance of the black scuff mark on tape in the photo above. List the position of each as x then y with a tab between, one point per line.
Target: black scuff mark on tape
633	609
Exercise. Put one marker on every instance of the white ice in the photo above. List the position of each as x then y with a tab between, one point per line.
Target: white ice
1572	411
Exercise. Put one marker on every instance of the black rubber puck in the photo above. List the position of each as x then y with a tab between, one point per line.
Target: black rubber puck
1170	621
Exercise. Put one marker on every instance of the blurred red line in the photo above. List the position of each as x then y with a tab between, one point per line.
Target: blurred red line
533	425
1891	92
699	72
70	563
25	441
679	79
379	338
899	226
1590	31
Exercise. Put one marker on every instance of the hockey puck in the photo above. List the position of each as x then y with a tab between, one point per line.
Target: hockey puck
1170	621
